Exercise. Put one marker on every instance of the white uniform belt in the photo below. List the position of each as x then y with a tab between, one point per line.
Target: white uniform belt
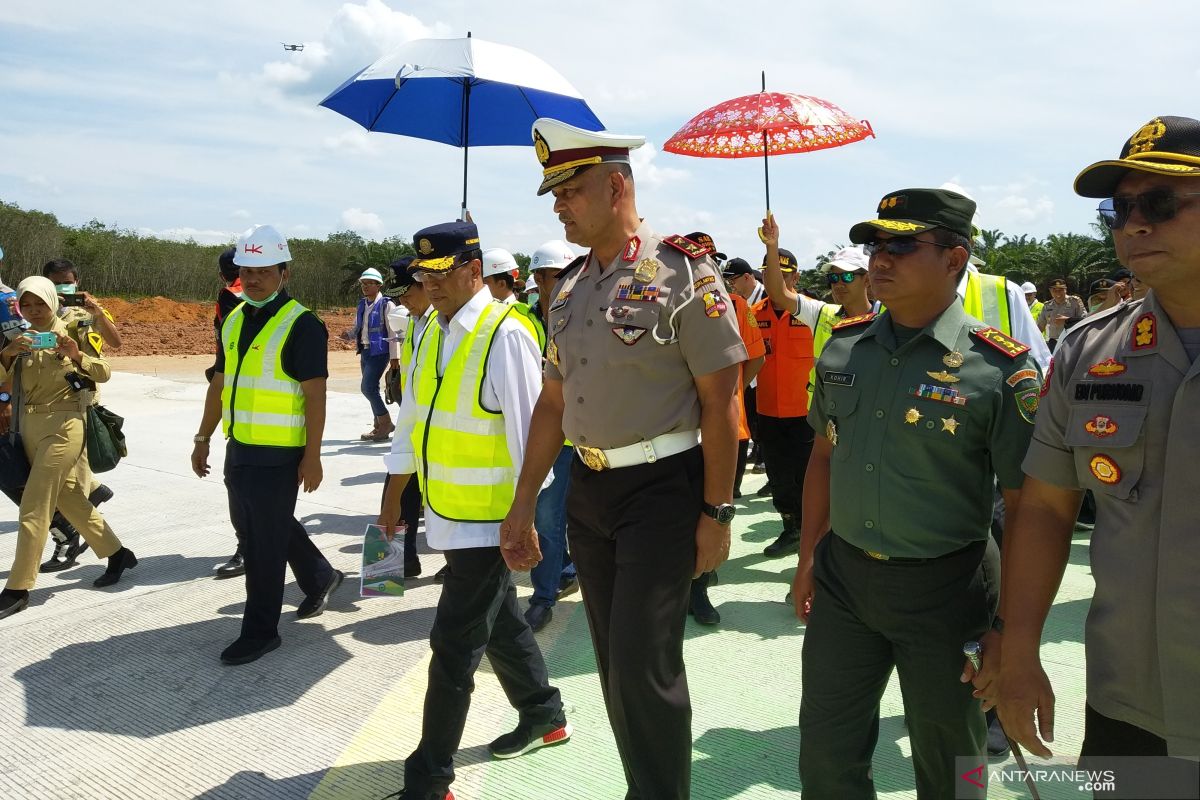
668	444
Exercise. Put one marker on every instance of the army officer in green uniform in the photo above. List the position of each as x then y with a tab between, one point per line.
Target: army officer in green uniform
916	411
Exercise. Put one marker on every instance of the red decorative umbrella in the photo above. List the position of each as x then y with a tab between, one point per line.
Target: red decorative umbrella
767	124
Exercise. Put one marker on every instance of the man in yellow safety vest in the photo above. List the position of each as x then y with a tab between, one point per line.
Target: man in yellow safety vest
464	418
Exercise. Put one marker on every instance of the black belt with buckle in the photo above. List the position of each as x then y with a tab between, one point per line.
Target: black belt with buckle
875	556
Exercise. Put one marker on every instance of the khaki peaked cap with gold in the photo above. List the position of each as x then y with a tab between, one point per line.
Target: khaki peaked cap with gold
565	151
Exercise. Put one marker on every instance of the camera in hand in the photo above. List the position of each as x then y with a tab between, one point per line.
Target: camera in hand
45	340
72	299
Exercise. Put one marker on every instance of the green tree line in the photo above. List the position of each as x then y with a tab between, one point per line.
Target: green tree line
115	262
1080	258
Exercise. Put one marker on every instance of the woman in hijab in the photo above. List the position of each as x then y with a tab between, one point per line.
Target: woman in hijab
49	413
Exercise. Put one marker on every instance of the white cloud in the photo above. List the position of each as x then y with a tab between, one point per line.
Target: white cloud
367	224
357	35
354	141
647	172
241	213
41	183
190	234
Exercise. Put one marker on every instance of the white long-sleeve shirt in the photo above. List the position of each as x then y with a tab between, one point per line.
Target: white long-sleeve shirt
511	384
1024	328
396	322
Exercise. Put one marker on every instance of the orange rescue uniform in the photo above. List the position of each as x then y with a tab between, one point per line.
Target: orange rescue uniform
783	380
755	347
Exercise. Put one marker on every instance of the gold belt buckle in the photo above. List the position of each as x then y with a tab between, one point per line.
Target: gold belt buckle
876	556
592	457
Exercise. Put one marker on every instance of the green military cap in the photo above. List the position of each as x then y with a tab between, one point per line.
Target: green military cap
912	211
1163	146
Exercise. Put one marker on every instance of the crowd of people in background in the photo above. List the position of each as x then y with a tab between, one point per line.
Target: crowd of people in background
591	424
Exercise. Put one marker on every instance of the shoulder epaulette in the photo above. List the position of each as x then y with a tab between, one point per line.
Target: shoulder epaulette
850	322
1000	341
687	246
570	268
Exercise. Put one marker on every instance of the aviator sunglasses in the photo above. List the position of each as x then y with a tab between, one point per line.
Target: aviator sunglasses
1155	206
900	246
844	277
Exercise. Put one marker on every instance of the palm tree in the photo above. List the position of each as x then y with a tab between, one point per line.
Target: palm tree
1072	255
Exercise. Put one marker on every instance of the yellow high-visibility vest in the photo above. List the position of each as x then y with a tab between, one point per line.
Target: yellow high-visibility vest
260	403
986	299
463	464
825	322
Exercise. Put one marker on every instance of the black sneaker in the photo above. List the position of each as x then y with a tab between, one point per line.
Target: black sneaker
243	651
314	604
538	616
66	554
526	738
567	585
786	544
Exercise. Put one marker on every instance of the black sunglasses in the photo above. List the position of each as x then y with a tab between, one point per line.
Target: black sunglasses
1155	206
900	246
844	277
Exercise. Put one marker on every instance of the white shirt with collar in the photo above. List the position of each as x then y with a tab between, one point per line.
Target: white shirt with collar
397	323
1024	328
512	382
757	293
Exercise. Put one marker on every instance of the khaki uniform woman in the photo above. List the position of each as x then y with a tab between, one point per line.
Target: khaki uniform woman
50	417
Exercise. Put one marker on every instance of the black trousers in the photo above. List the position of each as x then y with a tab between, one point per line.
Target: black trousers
410	513
1158	777
787	442
750	399
477	614
262	508
632	533
869	617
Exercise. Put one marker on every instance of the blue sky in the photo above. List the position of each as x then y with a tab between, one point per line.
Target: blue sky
188	119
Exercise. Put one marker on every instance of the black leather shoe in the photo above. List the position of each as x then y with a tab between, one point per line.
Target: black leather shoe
567	586
700	607
997	741
538	616
12	601
440	575
118	562
412	569
236	565
763	491
314	604
66	554
530	737
102	494
787	544
243	651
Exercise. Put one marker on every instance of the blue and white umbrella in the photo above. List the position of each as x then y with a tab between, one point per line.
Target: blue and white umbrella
462	92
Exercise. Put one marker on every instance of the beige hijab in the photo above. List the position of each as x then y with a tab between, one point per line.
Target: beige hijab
41	287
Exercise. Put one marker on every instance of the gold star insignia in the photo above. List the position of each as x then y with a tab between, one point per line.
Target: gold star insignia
912	416
950	424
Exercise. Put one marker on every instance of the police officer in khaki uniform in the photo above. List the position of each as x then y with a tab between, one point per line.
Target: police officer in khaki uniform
642	359
1119	418
917	410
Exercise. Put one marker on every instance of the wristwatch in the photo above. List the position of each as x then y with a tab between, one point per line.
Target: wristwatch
198	439
5	397
723	514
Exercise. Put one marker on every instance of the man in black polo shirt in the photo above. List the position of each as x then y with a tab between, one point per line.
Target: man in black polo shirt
272	406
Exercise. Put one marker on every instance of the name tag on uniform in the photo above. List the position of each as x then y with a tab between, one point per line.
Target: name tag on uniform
840	378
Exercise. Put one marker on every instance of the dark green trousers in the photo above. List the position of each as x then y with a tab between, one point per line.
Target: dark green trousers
869	617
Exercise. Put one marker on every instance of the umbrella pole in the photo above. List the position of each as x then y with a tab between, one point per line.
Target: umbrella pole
466	132
766	145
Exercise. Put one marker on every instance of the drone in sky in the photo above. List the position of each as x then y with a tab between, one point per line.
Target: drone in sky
293	48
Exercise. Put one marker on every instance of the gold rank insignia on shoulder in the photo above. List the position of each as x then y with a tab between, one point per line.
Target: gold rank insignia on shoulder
999	340
687	246
1144	333
552	353
645	270
850	322
953	359
831	432
944	377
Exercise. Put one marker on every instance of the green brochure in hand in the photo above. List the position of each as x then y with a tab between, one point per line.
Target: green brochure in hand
382	563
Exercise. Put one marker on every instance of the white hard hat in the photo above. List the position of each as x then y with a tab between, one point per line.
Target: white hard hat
261	246
497	261
851	259
1028	288
554	254
371	274
531	284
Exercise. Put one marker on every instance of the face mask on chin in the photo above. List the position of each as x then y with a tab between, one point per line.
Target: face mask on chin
264	301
